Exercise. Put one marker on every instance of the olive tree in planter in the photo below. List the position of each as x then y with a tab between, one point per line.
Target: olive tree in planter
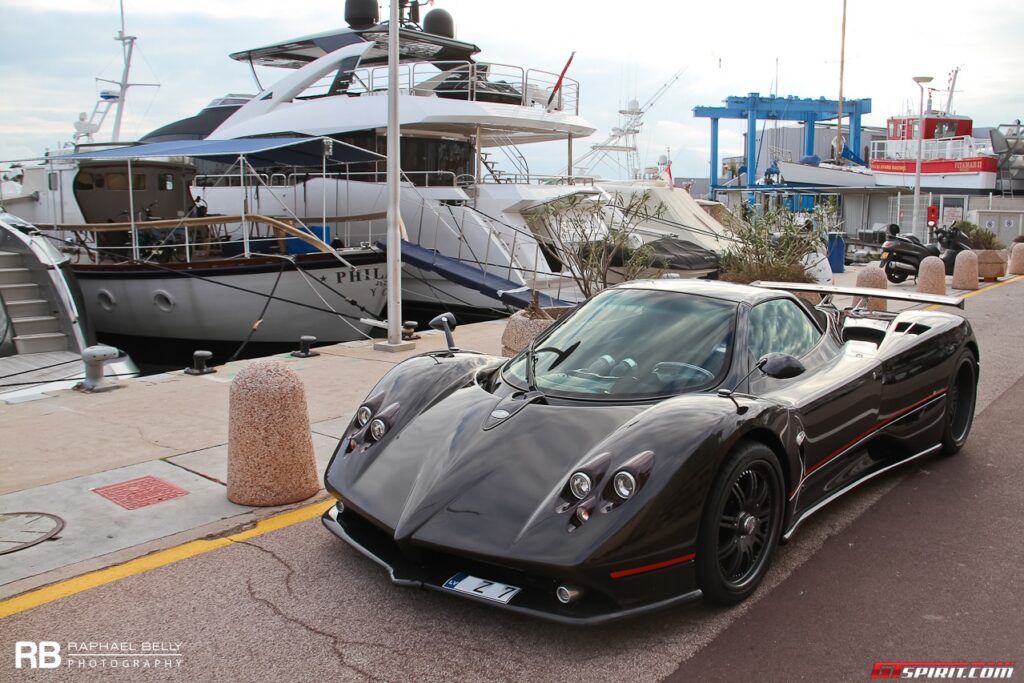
774	245
992	255
596	241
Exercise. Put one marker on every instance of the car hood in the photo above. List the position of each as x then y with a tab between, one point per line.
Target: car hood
442	479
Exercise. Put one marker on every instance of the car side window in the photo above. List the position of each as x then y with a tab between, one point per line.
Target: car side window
780	326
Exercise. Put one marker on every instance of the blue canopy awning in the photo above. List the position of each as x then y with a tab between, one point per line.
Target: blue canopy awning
290	151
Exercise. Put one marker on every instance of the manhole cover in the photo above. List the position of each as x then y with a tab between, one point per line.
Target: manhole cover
138	493
19	530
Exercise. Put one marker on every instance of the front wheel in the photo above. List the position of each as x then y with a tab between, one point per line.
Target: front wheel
961	396
740	526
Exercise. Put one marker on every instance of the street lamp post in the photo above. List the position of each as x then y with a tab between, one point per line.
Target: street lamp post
920	80
394	241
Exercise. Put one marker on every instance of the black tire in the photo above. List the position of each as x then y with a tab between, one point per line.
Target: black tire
895	276
961	397
741	524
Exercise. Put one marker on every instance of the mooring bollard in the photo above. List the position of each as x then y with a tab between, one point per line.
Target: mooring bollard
872	277
1016	260
409	330
95	357
931	276
965	271
199	360
305	341
270	448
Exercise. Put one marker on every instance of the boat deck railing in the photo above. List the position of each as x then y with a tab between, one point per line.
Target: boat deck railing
960	147
464	80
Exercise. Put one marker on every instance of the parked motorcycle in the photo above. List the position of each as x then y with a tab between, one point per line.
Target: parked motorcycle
902	255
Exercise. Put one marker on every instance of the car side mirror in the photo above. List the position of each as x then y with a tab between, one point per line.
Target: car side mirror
447	323
780	366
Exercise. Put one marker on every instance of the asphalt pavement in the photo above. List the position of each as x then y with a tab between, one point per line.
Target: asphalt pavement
922	563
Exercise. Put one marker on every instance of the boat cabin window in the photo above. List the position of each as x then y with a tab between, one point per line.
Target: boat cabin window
165	182
84	181
916	129
119	181
945	129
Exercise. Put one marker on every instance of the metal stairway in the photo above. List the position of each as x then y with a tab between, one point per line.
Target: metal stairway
34	327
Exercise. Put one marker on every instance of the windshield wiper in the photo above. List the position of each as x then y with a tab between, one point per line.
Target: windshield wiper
531	361
531	370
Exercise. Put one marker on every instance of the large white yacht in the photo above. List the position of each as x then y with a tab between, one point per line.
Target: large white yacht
472	209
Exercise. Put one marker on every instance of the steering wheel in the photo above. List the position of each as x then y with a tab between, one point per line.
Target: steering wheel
668	371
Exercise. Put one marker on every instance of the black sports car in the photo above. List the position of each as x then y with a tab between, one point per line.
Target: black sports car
653	446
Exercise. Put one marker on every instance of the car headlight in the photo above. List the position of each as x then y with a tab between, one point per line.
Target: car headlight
624	484
363	415
580	485
378	429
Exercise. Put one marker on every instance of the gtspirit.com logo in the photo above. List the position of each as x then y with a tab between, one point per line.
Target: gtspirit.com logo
943	670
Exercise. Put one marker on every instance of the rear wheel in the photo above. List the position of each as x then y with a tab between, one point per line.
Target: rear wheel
740	526
961	396
894	276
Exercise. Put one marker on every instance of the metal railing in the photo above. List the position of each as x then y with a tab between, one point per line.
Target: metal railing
961	147
473	81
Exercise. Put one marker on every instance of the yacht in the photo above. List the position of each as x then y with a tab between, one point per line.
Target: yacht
478	231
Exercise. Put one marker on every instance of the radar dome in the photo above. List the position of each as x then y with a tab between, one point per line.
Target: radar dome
360	14
440	23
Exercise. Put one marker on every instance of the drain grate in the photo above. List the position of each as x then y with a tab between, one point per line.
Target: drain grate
138	493
20	530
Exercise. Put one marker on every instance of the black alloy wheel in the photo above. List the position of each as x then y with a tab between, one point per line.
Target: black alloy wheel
961	396
741	524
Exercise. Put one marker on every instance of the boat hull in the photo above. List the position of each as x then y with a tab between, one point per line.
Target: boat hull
978	173
223	303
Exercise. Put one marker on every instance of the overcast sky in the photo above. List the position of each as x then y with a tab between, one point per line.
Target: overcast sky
51	52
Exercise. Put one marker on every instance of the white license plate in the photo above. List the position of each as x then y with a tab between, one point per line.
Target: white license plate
482	588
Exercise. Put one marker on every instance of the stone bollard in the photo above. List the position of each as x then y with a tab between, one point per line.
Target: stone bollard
270	449
1016	260
874	278
965	271
931	276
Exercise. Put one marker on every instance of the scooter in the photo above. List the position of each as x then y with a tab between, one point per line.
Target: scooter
902	255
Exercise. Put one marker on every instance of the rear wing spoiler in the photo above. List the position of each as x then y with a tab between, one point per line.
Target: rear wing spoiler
865	292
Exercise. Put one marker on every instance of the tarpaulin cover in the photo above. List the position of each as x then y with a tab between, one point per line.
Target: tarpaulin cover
471	276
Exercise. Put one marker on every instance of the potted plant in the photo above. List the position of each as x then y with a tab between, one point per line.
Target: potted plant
992	256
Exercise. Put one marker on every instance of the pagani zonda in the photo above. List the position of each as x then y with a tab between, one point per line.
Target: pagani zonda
653	446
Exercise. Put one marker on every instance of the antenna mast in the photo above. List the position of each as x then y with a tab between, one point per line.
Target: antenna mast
622	139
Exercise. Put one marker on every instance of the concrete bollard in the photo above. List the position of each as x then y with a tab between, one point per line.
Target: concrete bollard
931	276
1016	260
965	271
270	449
873	277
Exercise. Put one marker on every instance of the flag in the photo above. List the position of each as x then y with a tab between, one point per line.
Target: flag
558	83
668	176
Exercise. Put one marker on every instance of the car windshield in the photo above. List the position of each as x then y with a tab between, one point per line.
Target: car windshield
633	343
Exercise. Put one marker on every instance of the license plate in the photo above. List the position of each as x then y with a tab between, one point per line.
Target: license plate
482	588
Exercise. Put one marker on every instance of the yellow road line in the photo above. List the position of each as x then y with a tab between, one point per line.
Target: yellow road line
162	558
986	288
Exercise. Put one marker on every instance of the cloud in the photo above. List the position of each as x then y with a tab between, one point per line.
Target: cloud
52	50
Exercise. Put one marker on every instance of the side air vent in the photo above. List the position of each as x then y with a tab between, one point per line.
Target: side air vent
911	328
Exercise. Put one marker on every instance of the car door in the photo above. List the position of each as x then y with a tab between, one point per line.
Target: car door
836	399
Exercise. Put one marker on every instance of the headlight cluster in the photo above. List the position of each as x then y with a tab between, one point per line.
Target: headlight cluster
378	426
589	485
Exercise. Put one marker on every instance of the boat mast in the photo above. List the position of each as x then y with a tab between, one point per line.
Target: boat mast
127	48
839	117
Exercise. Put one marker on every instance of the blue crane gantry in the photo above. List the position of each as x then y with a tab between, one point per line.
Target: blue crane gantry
754	107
